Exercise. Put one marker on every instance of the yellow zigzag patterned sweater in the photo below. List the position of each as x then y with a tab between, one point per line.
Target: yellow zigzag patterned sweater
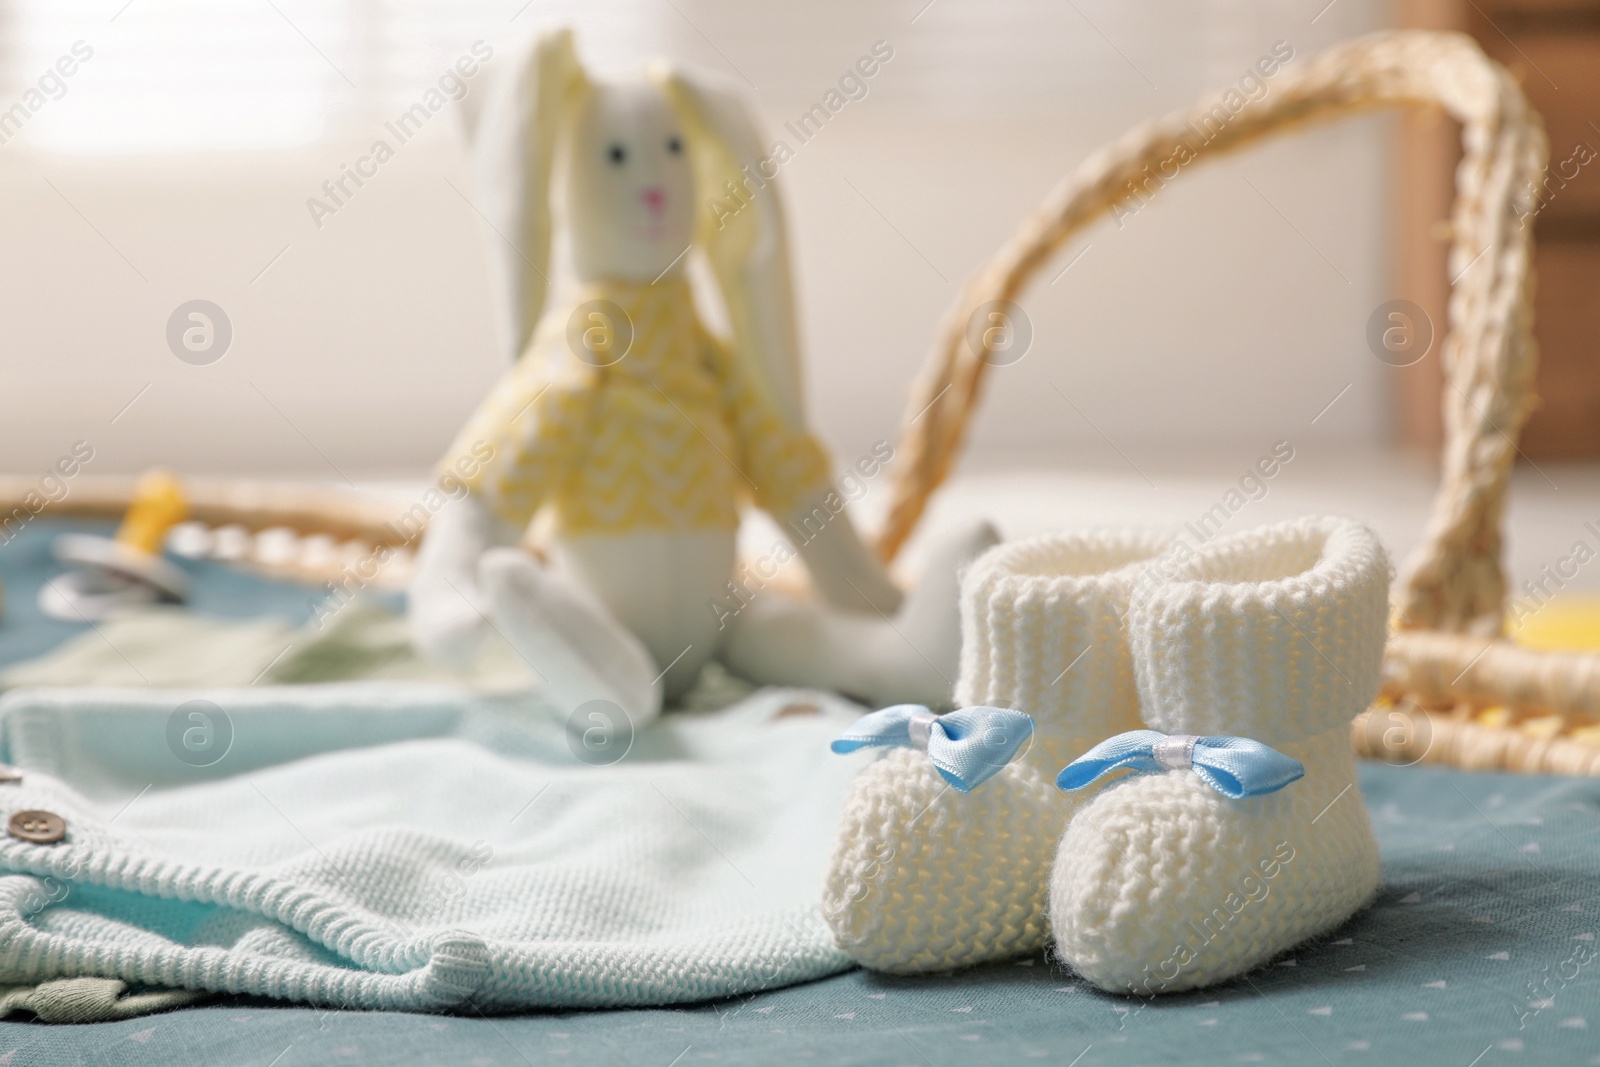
671	436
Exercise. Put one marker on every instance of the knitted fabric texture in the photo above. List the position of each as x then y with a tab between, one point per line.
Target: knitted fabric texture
924	878
1161	883
417	848
670	433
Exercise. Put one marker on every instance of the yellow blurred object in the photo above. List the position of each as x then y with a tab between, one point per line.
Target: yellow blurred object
1570	623
1497	716
158	504
1543	726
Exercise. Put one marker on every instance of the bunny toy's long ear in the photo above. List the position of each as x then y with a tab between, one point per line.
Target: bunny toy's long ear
740	226
514	150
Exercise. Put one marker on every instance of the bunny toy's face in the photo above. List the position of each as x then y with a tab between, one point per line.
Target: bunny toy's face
630	191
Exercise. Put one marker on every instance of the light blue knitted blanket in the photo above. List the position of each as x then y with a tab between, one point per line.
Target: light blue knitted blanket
374	845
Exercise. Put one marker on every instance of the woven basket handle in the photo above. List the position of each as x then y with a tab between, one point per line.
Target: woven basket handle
1455	581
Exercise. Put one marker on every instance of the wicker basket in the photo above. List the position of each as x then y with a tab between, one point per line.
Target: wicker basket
1454	691
280	530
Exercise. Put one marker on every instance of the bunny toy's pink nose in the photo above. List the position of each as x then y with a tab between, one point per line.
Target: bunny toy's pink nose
654	197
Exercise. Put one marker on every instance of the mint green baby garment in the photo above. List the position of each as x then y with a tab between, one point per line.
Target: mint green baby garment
171	647
379	845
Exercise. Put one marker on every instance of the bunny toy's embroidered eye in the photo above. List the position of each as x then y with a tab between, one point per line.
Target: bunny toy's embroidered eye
675	145
617	154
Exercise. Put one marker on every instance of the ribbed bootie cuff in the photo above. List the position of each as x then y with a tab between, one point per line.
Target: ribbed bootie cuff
1275	634
1042	631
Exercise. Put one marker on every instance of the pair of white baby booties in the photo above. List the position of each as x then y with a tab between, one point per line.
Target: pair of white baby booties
1157	882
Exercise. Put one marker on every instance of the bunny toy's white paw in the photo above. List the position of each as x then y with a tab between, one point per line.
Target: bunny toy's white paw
445	624
446	610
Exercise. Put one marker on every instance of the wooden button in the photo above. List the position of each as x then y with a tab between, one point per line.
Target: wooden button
40	827
801	707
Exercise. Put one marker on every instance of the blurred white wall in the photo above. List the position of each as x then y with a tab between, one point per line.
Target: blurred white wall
1230	311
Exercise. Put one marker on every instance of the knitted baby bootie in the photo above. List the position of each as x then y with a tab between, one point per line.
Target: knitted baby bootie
1221	856
927	878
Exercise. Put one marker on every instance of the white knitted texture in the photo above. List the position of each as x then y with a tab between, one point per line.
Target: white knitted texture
464	855
1162	884
1042	630
1275	633
927	879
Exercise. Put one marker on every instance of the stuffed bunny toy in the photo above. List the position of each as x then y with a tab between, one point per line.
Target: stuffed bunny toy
638	433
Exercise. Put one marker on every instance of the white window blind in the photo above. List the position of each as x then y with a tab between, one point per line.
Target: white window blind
228	75
184	76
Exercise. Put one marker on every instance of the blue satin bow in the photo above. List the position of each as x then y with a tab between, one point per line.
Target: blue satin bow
1234	766
967	747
